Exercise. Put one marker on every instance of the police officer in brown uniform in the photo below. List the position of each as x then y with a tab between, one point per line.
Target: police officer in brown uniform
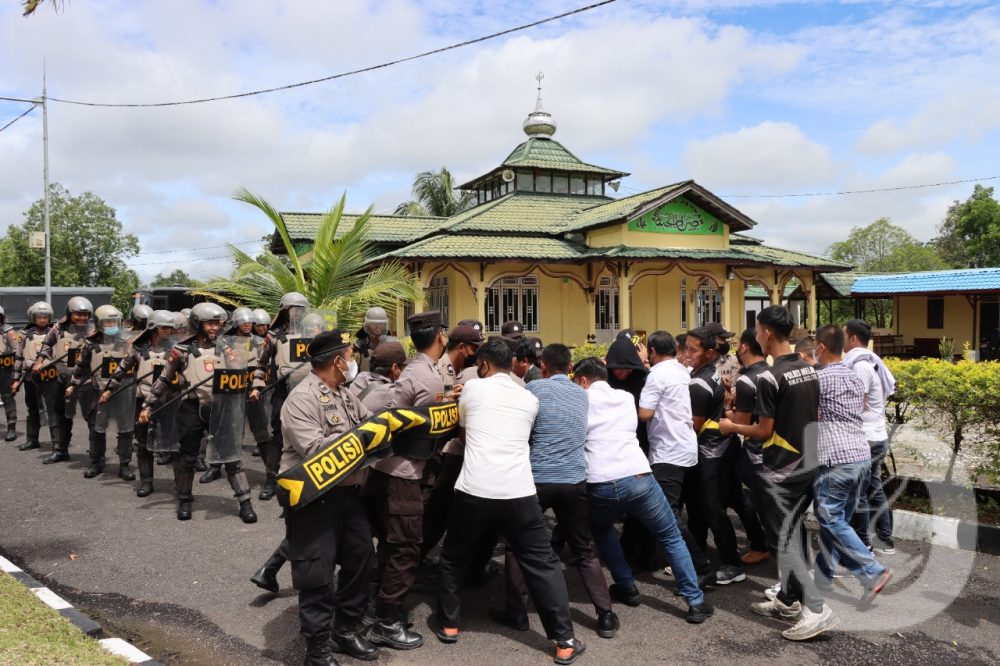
512	329
393	493
386	365
332	529
10	342
196	358
32	338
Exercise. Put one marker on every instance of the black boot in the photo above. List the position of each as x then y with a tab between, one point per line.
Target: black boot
346	639
200	466
96	468
391	630
145	488
11	432
269	488
125	456
29	445
247	514
144	461
184	509
125	472
98	447
214	473
318	652
266	577
57	456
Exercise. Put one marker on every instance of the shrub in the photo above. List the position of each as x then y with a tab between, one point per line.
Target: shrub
587	350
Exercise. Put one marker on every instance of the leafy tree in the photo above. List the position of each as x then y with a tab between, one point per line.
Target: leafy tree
339	274
882	247
89	247
31	5
969	237
177	277
435	194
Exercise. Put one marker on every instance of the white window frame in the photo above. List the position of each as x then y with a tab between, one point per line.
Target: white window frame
513	298
708	303
606	298
437	296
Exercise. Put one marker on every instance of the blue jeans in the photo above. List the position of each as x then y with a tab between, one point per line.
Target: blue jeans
640	498
837	491
874	506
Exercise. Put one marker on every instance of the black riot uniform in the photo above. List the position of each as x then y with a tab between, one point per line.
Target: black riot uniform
333	529
32	338
196	358
10	343
61	351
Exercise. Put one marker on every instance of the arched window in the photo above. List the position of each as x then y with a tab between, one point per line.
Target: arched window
513	298
708	305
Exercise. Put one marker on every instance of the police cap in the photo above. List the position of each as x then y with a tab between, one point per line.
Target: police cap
388	353
474	323
328	342
512	329
718	330
430	319
466	333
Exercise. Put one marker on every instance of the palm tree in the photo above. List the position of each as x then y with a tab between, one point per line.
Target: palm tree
436	195
338	275
31	5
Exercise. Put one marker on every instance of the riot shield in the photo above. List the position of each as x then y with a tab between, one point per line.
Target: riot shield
229	389
120	409
313	322
164	433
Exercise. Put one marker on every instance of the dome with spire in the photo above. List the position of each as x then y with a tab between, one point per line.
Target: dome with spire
539	123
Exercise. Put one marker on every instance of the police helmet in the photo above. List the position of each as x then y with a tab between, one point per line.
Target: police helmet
162	319
293	299
261	318
141	314
108	312
242	316
180	319
203	312
376	316
313	322
39	309
79	304
186	312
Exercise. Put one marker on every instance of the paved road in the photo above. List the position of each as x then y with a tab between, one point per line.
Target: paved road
180	590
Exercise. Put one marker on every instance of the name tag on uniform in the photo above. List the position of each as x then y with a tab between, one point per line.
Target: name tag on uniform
298	352
6	361
229	381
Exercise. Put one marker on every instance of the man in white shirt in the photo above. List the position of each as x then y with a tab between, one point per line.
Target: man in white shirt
619	482
665	406
495	494
879	384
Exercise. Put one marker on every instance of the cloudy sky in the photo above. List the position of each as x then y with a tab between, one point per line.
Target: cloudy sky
749	98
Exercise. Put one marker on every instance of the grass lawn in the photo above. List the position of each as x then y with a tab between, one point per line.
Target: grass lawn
32	633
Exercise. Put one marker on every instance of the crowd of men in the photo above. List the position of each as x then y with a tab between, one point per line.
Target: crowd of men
664	435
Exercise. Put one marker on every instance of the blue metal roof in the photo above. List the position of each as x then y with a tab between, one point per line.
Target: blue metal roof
967	280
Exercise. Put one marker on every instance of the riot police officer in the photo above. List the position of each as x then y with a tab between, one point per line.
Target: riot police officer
196	358
277	350
61	349
39	323
143	365
332	529
261	322
100	357
10	341
387	363
372	333
139	318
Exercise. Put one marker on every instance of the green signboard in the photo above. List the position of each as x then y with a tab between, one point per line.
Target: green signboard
678	217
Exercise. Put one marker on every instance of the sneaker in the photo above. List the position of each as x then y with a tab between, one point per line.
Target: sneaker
812	624
885	547
752	557
778	610
568	651
771	593
878	585
729	574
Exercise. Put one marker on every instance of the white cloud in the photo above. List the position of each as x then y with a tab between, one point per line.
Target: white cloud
770	156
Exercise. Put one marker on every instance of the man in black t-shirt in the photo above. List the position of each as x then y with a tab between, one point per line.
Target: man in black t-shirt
718	459
787	407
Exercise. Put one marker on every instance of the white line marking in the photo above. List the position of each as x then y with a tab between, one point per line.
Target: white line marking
51	599
124	649
8	566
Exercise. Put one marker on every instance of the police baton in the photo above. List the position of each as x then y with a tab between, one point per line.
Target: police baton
182	394
129	383
49	364
272	385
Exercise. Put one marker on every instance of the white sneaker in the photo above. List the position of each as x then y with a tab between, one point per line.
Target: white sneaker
812	624
778	610
772	592
668	571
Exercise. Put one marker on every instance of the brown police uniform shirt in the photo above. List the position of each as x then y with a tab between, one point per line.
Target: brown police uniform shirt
312	415
419	385
378	393
454	446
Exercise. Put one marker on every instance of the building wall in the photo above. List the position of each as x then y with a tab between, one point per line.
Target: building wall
911	318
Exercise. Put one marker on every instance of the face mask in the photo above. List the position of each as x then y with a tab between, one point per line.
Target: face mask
111	330
351	372
724	349
470	361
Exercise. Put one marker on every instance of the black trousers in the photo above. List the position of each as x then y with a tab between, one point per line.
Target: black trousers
51	395
32	401
568	502
680	485
521	523
395	510
718	485
9	403
785	505
438	506
750	475
270	449
329	531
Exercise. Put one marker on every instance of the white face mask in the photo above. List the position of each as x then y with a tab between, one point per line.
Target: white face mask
351	372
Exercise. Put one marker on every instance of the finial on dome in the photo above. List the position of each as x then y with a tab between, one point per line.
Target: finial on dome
539	123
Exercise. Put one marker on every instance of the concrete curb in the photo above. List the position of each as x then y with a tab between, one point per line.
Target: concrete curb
82	622
947	532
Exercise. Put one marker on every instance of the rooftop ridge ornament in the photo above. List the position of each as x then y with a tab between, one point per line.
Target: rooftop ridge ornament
539	124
